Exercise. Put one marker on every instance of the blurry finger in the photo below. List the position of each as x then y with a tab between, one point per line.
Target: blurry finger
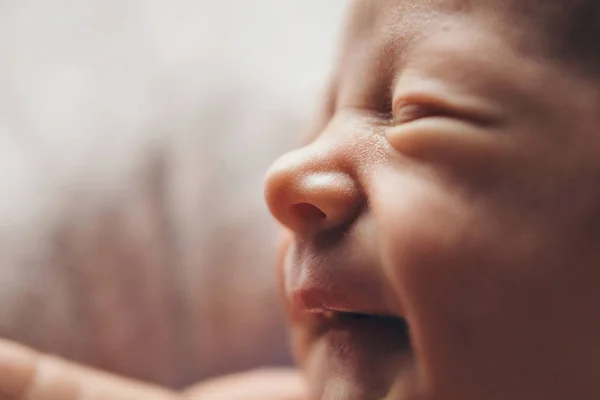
274	384
29	375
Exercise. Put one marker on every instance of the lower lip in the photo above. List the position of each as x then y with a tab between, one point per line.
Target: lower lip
361	358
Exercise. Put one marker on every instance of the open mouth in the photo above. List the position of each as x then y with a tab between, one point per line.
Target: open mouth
370	323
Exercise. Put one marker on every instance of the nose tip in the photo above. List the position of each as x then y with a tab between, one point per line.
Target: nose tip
305	198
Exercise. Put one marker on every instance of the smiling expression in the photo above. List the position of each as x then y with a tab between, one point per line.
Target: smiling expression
445	219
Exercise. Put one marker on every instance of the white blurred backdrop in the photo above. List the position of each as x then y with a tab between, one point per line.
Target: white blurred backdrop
134	135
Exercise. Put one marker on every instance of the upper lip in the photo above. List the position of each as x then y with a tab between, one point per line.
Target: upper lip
334	283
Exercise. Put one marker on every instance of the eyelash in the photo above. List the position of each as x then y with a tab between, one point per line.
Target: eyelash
412	112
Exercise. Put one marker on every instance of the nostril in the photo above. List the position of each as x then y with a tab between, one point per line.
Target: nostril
308	201
308	213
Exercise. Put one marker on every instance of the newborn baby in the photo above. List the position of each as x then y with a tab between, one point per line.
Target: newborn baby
444	220
445	217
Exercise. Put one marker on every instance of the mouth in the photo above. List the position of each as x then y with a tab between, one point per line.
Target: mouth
349	321
349	331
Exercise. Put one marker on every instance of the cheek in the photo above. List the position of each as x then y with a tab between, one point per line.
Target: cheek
493	299
469	285
423	232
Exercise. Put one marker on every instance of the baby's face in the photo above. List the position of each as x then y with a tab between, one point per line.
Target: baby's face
445	220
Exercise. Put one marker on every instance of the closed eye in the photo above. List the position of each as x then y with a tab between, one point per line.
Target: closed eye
406	112
412	112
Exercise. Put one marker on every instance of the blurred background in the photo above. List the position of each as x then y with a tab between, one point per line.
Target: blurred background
134	135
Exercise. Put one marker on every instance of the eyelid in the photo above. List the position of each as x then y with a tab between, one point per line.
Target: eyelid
412	111
413	107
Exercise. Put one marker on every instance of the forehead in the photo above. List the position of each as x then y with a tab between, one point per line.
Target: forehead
398	16
381	35
378	36
397	22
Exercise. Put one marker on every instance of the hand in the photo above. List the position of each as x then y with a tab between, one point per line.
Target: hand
28	375
268	384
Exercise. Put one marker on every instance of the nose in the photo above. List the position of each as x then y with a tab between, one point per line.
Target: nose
306	192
